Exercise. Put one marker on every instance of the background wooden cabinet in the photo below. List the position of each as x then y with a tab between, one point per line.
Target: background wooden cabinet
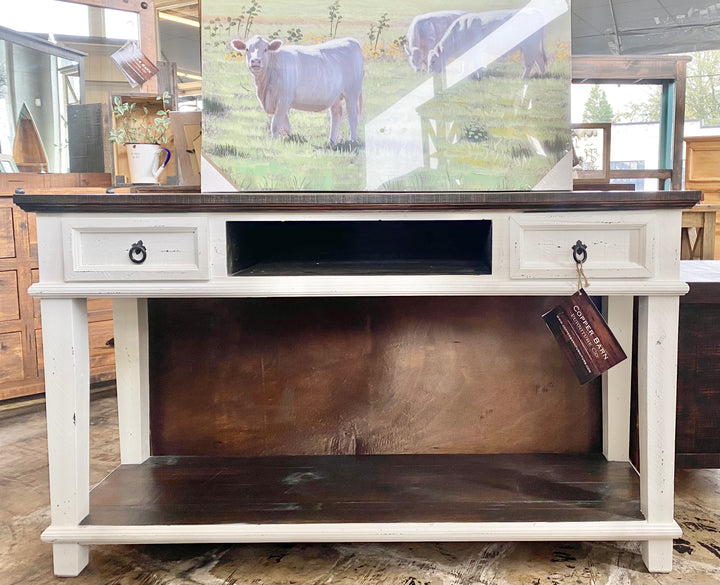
21	362
698	398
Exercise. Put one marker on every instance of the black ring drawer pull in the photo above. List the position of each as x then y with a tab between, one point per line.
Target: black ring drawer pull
138	252
579	252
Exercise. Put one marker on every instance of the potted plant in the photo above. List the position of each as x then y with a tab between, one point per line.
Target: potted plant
142	130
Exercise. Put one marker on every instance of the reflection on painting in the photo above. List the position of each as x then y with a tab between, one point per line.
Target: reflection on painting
338	95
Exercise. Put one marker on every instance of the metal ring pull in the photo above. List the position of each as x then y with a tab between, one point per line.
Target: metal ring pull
138	252
579	252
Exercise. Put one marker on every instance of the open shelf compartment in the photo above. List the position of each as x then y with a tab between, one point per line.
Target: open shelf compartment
286	248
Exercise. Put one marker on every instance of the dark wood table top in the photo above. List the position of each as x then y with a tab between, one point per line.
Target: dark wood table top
327	201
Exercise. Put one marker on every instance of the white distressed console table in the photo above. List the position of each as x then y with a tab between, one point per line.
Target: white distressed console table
141	246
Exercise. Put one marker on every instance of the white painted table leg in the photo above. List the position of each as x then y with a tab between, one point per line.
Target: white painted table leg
618	312
657	380
131	372
67	393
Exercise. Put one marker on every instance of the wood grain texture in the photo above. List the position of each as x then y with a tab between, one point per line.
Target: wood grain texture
40	182
363	375
284	201
20	313
9	305
698	402
618	69
703	172
381	488
11	356
24	462
7	241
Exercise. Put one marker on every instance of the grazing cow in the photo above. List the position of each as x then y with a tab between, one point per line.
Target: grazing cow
471	28
424	33
312	79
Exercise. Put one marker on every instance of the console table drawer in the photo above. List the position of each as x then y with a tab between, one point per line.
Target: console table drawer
541	246
135	249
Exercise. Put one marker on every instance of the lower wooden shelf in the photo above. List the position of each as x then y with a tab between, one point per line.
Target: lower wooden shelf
367	498
366	489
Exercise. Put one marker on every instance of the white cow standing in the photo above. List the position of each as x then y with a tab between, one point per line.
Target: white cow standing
471	28
309	78
423	34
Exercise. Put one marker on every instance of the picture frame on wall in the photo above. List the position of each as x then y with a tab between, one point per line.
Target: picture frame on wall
409	97
7	164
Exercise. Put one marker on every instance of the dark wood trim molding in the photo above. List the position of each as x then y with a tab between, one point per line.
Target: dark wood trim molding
331	201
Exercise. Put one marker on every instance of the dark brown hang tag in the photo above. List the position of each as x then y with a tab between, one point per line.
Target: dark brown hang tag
584	336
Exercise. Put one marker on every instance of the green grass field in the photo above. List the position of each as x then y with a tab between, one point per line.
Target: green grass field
489	123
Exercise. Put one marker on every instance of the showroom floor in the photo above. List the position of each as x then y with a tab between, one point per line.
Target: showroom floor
24	559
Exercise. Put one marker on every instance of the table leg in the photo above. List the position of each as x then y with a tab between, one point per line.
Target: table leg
657	379
707	244
130	322
618	312
67	394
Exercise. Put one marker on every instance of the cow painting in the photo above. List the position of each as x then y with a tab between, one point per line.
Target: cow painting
471	28
310	78
423	34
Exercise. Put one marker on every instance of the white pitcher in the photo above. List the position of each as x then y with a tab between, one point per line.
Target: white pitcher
146	162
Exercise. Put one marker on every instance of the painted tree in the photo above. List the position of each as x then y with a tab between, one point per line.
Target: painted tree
335	17
597	107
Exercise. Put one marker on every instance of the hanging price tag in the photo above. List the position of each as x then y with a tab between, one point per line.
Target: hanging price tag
584	337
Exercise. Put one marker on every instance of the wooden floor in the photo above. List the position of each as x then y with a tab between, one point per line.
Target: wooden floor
24	513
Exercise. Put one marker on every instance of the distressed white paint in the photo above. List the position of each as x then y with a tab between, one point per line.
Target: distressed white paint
657	379
132	378
99	250
618	312
67	375
645	243
346	286
618	246
365	532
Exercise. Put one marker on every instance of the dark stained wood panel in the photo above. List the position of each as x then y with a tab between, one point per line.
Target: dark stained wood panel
698	401
313	376
283	201
377	488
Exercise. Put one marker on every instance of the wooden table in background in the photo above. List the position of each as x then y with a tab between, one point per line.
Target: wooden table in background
699	245
702	172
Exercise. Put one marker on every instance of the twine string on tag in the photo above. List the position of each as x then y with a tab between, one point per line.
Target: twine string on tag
582	279
580	255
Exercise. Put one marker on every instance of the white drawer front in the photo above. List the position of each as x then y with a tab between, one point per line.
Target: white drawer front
99	250
541	246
